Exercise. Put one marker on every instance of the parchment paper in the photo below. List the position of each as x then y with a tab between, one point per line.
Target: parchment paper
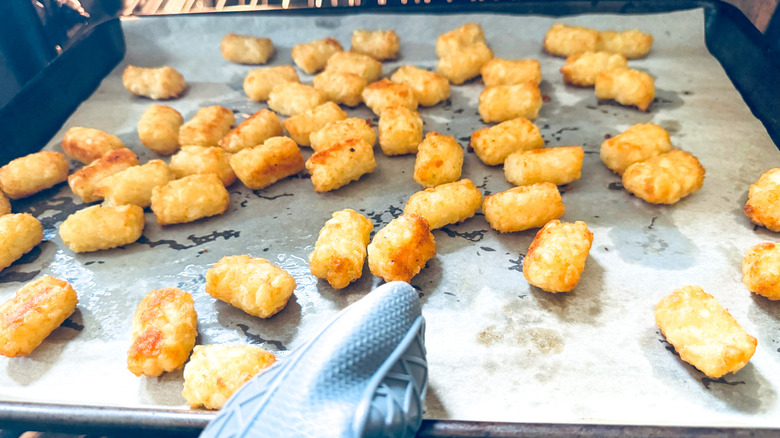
498	349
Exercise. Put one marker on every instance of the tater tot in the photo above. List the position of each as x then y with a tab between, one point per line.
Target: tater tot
464	64
439	160
197	160
215	372
429	88
556	258
189	199
19	233
492	145
458	38
83	181
291	98
154	83
259	83
261	166
5	205
158	129
341	248
36	310
761	270
637	143
253	131
341	87
559	166
362	65
763	204
207	127
385	93
312	57
163	332
341	130
246	49
626	86
88	144
506	102
524	207
28	175
630	43
664	179
340	164
499	71
400	131
401	249
378	44
254	285
102	227
446	204
564	40
301	126
134	185
703	332
582	69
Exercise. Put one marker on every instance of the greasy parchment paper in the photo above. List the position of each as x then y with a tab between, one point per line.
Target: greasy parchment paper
498	349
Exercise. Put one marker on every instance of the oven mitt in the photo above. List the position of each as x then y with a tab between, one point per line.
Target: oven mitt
364	375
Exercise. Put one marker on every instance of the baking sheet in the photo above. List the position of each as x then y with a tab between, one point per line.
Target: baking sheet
498	349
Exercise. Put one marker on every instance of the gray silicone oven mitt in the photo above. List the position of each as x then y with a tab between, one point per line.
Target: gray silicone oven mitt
364	375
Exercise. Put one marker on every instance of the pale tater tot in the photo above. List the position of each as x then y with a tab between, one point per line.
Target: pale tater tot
88	144
261	166
341	248
341	87
207	127
291	98
102	227
253	131
582	69
499	71
246	49
340	164
524	207
763	204
341	130
429	88
158	129
19	233
630	43
189	199
565	40
36	310
154	83
198	160
761	270
33	173
362	65
637	143
83	181
664	179
626	86
215	372
559	166
401	249
134	185
439	160
259	83
703	332
301	126
556	258
5	204
163	332
400	131
459	38
446	204
252	284
506	102
378	44
312	57
385	93
492	145
464	64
